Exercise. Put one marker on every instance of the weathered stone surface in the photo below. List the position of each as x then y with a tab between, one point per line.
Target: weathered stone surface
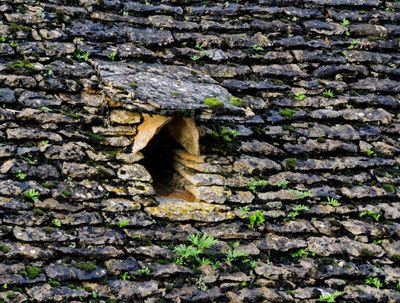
157	84
128	290
64	272
43	292
179	210
133	172
332	246
252	165
124	117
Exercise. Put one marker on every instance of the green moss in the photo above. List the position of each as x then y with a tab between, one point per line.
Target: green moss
33	272
389	187
213	102
290	163
13	28
86	266
134	84
54	283
288	112
95	137
20	64
37	212
4	249
238	102
10	295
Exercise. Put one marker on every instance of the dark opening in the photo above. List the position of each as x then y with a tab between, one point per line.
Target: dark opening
159	161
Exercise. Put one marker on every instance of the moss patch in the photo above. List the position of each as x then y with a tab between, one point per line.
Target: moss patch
33	272
213	102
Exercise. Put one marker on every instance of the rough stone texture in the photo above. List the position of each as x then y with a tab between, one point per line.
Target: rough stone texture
293	168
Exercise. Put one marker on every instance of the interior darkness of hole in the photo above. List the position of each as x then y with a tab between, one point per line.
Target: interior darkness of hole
158	160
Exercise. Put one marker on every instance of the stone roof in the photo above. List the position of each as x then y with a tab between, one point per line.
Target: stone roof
296	104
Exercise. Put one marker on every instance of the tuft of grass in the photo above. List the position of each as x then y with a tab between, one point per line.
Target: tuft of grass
328	94
82	55
213	102
370	152
288	112
375	282
283	183
333	202
228	134
297	209
370	213
256	218
255	185
389	187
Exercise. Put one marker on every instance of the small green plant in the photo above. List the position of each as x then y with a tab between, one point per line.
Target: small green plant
125	276
370	152
213	102
332	202
3	39
300	97
82	55
32	194
375	282
297	209
112	55
195	58
398	285
299	253
30	161
21	64
202	241
328	94
186	253
205	261
4	286
345	23
256	185
33	272
86	266
235	254
288	112
145	271
256	218
283	183
228	134
244	210
190	253
353	44
330	298
257	48
123	223
20	175
238	102
56	222
370	213
290	163
300	194
13	44
199	46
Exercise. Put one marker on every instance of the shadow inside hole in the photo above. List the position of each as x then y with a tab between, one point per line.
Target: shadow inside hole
159	162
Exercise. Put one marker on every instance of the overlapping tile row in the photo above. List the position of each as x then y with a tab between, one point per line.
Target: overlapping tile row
311	146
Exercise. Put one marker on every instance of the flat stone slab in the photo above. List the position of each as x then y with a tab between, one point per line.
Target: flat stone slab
159	86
